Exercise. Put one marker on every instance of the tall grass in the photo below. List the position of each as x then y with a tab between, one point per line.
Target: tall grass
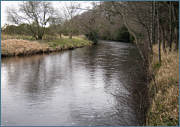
15	47
23	46
164	90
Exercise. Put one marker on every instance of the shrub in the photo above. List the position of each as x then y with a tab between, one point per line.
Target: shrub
93	36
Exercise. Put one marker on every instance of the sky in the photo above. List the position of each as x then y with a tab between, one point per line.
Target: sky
14	4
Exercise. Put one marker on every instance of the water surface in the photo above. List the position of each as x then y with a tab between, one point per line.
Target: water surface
86	86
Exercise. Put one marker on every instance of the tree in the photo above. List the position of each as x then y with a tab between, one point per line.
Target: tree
57	25
88	25
147	22
170	25
71	10
158	33
35	13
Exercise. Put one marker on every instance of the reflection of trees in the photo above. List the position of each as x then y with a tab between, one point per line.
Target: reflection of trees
116	65
122	74
108	58
34	76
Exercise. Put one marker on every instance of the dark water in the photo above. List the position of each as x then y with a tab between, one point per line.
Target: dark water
87	86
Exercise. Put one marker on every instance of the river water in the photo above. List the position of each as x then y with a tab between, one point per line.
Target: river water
89	86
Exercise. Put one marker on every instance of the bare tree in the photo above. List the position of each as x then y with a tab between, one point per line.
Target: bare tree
70	11
57	24
170	25
35	13
158	33
175	23
153	22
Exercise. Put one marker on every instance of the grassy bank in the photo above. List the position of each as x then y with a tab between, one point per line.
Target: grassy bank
20	47
164	90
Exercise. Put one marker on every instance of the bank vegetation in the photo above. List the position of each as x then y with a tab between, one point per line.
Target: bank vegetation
164	89
20	46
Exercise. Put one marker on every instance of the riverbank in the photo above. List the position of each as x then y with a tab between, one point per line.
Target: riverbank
19	47
164	90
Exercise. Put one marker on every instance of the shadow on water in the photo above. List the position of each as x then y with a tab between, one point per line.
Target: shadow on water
90	86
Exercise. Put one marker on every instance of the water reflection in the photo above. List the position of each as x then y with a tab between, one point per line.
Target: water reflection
71	88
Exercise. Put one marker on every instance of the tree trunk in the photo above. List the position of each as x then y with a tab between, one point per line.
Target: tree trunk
163	39
35	36
39	37
170	26
176	38
70	35
153	21
150	44
158	34
175	22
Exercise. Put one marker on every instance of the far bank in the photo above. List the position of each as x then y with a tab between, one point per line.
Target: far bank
24	47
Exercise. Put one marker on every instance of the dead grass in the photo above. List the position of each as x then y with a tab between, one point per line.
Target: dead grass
164	91
21	47
14	47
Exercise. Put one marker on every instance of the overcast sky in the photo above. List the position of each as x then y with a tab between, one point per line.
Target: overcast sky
14	4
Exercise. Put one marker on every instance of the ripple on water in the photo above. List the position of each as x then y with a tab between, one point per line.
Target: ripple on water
78	87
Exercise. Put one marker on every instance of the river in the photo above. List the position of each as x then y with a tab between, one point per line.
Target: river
88	86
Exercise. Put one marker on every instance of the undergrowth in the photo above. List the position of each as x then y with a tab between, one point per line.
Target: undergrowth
164	90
